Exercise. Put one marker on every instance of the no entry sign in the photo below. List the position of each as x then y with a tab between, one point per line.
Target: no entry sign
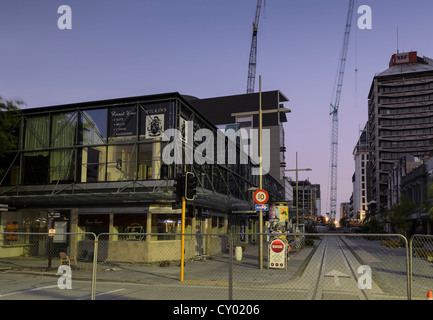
277	254
277	246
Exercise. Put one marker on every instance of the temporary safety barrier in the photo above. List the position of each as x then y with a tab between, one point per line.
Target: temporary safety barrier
317	266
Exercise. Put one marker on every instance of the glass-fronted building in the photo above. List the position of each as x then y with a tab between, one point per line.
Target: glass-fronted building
100	167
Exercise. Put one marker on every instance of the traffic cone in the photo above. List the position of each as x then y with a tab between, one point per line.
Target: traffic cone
429	295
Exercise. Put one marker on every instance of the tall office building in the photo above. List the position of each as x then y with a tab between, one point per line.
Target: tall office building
359	180
241	112
400	119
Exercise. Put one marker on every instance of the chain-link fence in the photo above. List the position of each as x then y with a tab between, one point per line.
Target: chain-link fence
323	266
45	266
148	266
421	253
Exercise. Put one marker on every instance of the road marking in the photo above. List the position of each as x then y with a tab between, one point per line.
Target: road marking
25	291
208	282
336	274
100	294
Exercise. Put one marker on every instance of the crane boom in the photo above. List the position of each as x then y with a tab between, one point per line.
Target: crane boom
253	51
334	113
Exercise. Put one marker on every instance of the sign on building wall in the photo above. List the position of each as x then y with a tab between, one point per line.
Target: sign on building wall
155	119
122	121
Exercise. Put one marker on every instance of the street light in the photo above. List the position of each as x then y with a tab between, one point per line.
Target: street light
297	190
260	113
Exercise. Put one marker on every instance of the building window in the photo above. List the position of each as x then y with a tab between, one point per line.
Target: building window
121	162
93	164
171	225
95	223
94	126
131	226
245	122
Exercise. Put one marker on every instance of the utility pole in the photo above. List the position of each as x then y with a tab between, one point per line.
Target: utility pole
297	189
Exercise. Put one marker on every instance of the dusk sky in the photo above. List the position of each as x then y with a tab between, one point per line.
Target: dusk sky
201	48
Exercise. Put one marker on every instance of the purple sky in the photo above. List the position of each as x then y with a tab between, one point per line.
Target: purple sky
201	47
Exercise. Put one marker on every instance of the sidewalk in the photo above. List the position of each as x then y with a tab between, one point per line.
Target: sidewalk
208	269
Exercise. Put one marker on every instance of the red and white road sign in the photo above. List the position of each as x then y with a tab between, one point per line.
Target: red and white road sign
261	196
277	246
277	253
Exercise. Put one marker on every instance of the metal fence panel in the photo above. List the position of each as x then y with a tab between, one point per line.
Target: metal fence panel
325	267
421	264
41	266
148	266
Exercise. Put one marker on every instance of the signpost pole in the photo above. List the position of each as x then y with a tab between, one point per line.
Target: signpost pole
50	241
182	247
261	177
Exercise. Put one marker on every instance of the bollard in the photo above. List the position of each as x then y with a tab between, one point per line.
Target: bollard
238	253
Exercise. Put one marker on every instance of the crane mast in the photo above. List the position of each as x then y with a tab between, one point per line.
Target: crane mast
334	113
253	51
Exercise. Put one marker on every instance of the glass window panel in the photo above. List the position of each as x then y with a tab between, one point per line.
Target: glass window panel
36	166
36	135
62	164
171	224
9	169
150	163
121	163
130	223
94	126
93	164
64	129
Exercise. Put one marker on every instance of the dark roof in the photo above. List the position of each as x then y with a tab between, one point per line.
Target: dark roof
218	110
106	102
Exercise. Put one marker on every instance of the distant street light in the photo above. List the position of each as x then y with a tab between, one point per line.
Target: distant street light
297	190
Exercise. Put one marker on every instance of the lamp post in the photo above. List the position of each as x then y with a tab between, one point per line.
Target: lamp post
260	114
297	189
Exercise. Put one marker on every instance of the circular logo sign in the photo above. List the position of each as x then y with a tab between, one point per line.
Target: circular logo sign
261	196
277	246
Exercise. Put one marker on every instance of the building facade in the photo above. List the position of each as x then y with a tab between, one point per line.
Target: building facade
413	178
359	179
308	200
242	112
400	120
101	167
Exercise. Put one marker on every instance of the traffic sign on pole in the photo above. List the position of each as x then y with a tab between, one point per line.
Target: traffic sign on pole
262	207
261	196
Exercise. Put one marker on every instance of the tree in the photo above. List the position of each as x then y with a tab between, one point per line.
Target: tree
8	124
427	205
399	213
372	226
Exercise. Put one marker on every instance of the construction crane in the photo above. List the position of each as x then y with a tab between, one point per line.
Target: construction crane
334	113
253	52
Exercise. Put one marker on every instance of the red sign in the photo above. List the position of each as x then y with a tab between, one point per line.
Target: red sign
277	246
261	196
403	58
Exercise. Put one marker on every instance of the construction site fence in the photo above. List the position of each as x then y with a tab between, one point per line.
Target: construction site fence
215	266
